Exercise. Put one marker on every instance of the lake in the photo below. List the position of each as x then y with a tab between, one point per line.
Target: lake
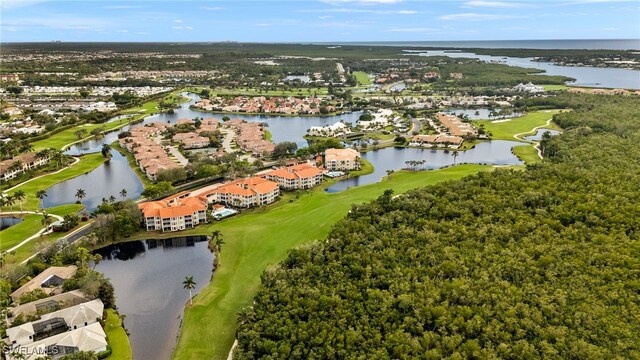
496	152
584	75
147	277
106	180
483	114
7	222
538	135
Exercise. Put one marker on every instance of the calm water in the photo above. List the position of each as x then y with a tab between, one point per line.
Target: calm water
497	152
593	44
106	180
7	222
538	134
584	75
147	277
483	114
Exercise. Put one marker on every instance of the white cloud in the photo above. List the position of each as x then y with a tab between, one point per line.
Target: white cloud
414	29
177	21
212	8
475	17
181	27
360	11
263	24
610	29
324	17
60	22
122	31
141	33
494	4
122	7
366	2
13	4
11	29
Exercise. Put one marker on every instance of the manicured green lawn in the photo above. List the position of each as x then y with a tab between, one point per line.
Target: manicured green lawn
362	77
528	154
263	237
524	124
65	137
87	163
267	135
12	236
117	337
16	234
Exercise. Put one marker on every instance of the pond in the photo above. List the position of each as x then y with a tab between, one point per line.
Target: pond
584	75
147	277
7	222
538	134
106	180
496	152
483	114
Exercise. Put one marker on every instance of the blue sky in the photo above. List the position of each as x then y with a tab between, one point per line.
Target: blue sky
320	20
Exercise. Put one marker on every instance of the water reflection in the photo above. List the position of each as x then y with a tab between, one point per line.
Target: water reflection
147	277
497	152
106	180
539	133
7	222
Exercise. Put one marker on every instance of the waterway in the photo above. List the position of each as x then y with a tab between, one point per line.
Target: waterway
584	75
106	180
496	152
7	222
538	135
483	114
147	277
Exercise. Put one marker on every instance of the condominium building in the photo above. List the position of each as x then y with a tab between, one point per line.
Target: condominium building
175	213
301	176
245	193
341	159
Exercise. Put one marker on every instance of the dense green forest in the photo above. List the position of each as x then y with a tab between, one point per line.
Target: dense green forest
542	263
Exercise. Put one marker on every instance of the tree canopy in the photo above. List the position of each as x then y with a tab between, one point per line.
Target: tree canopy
541	263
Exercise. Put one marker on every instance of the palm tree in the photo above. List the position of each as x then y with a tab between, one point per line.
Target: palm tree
96	260
81	194
455	155
189	284
123	193
9	200
57	157
112	199
41	194
46	219
106	150
19	196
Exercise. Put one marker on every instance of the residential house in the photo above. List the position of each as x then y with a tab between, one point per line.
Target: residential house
335	130
89	338
50	281
48	304
341	159
56	322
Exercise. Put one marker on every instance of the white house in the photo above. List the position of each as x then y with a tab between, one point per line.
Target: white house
337	129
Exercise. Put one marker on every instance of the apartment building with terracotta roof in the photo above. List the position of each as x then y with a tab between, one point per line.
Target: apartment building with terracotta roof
437	140
251	137
11	168
191	140
150	156
455	126
300	176
175	213
245	193
341	159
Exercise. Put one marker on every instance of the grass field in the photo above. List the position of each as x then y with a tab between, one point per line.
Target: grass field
87	163
267	135
117	337
528	154
12	236
263	237
65	137
362	77
16	234
506	130
555	87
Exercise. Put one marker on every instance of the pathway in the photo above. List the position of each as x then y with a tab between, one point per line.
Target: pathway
229	135
42	231
75	161
537	143
178	155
